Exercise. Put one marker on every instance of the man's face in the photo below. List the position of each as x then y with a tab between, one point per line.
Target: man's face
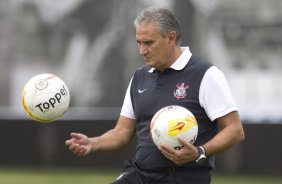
155	49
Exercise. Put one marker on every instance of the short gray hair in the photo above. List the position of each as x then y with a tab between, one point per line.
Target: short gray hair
164	19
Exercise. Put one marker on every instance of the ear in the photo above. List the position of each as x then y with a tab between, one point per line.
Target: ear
172	38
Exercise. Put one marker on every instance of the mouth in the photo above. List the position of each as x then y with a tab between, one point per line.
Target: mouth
146	59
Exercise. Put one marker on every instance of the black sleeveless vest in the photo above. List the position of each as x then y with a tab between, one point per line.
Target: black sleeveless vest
152	91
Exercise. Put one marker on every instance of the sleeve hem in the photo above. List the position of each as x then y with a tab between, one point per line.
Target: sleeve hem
128	115
223	113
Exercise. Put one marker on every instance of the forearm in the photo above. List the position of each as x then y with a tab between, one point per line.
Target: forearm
231	133
116	138
109	141
222	141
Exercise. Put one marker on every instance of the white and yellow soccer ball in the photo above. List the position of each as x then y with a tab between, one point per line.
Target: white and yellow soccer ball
45	97
172	122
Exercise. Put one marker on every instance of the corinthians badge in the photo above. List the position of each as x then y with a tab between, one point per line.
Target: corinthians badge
180	92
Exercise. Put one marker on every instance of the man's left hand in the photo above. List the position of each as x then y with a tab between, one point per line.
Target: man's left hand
188	153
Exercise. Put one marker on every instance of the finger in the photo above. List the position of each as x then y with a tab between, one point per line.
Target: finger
73	147
167	155
171	158
76	135
182	141
69	142
81	151
76	149
167	151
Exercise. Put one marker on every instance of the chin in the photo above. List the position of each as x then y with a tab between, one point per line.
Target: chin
148	63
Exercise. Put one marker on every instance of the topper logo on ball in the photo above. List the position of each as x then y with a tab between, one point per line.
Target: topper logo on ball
44	107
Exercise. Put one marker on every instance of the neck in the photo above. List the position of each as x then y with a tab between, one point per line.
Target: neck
178	52
175	55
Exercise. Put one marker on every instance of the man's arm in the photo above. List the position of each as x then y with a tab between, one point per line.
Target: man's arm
112	140
231	132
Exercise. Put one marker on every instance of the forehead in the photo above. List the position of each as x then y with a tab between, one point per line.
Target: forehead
146	30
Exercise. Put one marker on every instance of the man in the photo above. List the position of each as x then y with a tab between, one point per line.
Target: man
206	94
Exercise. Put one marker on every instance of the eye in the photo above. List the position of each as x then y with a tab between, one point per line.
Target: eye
144	43
148	43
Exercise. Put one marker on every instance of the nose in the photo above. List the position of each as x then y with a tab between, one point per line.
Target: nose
143	50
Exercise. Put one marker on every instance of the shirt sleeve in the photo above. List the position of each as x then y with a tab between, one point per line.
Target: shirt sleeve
127	108
215	95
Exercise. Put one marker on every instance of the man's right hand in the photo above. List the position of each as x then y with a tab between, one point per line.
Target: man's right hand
79	144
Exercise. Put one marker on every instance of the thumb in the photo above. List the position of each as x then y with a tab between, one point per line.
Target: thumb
77	135
184	142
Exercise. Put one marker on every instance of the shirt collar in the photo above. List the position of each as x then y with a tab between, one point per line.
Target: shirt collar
181	61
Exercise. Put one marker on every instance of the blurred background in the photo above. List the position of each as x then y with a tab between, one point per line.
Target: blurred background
91	46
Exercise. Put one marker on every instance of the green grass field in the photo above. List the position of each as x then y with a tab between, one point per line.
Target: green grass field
90	176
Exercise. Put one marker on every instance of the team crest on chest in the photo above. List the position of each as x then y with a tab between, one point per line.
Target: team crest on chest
180	92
